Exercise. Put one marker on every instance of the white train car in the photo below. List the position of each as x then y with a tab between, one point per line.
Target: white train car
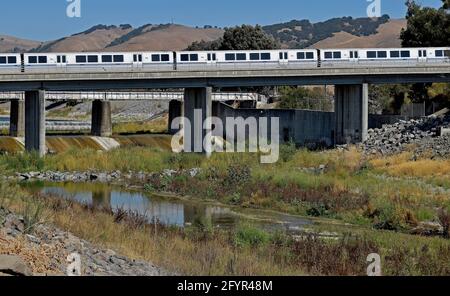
382	56
10	63
245	58
98	61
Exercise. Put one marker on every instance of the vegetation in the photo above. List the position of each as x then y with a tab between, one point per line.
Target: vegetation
426	27
156	126
383	193
245	37
305	98
200	250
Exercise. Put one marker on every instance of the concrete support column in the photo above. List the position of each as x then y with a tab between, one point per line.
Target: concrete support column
197	108
175	110
35	121
17	119
101	119
352	113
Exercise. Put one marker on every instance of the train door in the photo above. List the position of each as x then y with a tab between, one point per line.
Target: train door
354	55
61	61
137	60
283	57
422	55
211	58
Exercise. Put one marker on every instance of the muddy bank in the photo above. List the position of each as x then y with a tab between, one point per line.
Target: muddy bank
44	251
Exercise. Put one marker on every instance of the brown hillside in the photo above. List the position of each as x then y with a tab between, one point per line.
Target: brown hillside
388	36
13	44
93	41
173	37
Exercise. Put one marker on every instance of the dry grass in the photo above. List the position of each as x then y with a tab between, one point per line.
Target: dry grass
156	126
37	257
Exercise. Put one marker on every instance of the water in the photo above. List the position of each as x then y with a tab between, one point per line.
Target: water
167	210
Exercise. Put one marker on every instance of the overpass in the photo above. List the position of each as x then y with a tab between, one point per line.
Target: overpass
351	102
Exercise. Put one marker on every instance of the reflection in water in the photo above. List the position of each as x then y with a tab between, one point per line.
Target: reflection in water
171	212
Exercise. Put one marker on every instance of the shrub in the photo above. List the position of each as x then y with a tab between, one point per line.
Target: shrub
250	236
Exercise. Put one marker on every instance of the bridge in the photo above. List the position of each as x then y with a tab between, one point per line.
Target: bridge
351	100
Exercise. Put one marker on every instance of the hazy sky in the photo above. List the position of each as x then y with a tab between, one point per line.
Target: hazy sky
47	19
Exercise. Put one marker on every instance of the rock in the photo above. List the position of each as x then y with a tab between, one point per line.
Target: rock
13	265
428	229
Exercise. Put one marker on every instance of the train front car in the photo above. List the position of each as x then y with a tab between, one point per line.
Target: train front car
10	63
98	62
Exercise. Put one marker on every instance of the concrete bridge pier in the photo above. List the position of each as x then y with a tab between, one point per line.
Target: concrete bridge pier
17	119
35	121
101	119
197	108
352	113
175	110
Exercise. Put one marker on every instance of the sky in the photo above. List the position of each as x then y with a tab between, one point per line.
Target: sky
45	20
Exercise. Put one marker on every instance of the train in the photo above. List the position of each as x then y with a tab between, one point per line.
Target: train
229	59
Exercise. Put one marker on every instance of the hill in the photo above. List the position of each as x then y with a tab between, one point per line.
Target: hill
387	35
13	44
303	33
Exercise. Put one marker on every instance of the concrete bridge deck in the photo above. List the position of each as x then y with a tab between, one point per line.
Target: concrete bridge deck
89	81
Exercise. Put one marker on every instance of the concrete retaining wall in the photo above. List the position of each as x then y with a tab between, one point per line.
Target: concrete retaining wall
301	126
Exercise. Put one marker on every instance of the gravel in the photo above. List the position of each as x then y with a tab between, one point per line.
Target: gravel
423	133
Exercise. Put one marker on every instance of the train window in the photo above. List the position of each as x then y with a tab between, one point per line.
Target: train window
106	58
12	60
118	58
92	59
265	56
371	54
300	55
281	55
80	59
156	58
32	60
439	53
395	54
285	55
351	55
193	57
337	55
42	60
58	59
254	56
328	55
382	54
230	57
2	60
137	58
164	58
447	53
309	55
405	54
241	57
184	58
209	56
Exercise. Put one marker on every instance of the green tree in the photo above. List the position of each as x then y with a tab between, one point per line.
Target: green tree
305	98
426	27
244	37
247	37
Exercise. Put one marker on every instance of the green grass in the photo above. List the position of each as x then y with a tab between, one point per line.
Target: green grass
352	188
